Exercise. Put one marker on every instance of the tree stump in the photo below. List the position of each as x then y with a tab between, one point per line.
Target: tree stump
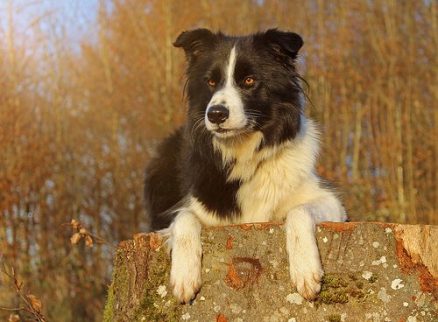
373	272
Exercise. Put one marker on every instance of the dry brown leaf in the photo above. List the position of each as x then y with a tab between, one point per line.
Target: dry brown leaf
75	238
14	318
75	224
88	241
34	302
83	231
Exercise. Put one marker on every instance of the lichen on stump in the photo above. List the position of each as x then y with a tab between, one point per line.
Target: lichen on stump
373	272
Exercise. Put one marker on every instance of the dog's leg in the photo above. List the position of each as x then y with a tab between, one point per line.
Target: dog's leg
185	273
304	261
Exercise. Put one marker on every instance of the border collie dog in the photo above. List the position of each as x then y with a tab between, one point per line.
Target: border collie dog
246	154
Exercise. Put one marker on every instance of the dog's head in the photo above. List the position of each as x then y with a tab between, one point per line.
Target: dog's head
239	85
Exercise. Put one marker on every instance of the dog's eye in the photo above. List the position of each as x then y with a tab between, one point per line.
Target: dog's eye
211	82
249	81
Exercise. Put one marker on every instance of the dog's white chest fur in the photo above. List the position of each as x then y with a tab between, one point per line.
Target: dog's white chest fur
273	179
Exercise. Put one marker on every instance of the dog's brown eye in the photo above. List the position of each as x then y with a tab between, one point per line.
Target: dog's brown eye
211	82
249	81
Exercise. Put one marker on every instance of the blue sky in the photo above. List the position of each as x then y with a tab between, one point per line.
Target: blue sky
76	15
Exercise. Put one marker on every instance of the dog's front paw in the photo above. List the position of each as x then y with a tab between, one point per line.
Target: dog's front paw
185	276
306	275
304	265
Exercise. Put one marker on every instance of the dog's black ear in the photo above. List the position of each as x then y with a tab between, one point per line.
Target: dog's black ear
282	42
195	42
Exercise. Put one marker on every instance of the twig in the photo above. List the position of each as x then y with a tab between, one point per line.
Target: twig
30	306
11	308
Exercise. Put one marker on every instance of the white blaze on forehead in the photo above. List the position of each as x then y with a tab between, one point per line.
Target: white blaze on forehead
229	73
229	96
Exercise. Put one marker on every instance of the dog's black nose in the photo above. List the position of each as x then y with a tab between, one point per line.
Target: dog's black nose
217	114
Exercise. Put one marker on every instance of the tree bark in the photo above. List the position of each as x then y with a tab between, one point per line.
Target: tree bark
373	272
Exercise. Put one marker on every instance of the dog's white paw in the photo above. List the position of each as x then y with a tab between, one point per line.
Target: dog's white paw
185	274
306	274
185	283
304	261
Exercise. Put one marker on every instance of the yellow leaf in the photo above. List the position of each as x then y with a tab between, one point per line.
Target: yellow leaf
88	241
75	224
13	318
75	238
34	302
